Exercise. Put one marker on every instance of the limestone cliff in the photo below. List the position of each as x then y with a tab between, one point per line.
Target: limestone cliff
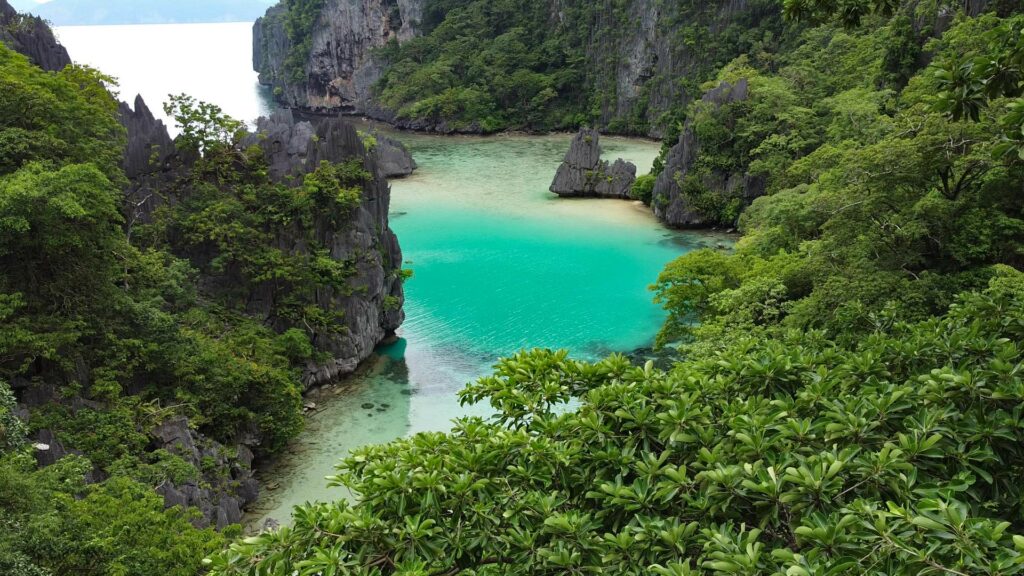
31	36
649	58
337	67
583	173
672	201
643	58
371	306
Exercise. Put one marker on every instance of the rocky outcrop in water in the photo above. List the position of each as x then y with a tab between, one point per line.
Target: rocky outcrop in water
393	157
341	67
584	174
372	307
31	36
670	203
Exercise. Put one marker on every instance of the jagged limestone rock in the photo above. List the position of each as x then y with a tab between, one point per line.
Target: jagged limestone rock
371	308
342	66
669	202
584	174
226	485
30	36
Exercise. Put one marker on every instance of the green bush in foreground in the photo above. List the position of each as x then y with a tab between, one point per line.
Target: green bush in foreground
54	524
902	454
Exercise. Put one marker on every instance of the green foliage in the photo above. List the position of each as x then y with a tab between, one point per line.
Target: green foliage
794	455
59	233
237	375
643	188
60	118
815	96
12	429
850	13
686	287
336	187
848	163
54	524
203	125
972	84
104	436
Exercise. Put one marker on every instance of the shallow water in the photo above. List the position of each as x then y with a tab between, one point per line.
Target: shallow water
500	264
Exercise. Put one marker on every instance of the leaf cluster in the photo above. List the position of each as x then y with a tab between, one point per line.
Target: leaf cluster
897	455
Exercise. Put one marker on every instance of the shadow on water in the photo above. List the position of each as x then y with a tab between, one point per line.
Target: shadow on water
370	407
689	241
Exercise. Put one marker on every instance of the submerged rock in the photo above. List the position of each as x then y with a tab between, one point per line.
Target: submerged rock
584	174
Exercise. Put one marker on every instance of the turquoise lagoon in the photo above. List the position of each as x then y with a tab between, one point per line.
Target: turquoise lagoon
500	264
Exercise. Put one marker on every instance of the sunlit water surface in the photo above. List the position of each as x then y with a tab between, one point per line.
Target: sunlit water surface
500	264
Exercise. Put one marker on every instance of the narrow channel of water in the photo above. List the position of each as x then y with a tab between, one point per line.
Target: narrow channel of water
500	264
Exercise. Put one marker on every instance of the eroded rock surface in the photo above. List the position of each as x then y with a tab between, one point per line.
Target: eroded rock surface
584	174
342	66
393	157
670	203
225	485
30	36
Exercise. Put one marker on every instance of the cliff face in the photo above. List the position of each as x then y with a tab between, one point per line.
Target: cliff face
650	58
643	58
372	307
676	206
31	36
341	68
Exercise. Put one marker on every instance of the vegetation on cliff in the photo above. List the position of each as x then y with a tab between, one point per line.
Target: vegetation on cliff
110	330
75	293
489	66
910	200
